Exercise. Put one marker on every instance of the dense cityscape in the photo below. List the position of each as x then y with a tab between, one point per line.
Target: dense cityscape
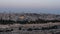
29	22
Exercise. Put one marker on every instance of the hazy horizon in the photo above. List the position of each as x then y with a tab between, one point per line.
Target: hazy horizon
37	6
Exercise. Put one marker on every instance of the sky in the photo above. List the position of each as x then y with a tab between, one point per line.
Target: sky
47	5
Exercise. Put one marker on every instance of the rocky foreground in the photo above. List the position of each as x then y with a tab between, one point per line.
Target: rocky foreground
48	28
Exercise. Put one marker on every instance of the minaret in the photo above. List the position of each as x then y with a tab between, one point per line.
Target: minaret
9	15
